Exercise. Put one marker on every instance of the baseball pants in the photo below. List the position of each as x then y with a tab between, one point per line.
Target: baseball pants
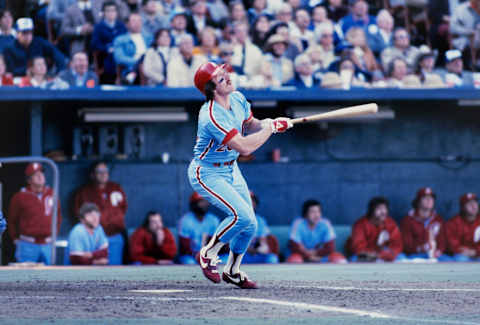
225	188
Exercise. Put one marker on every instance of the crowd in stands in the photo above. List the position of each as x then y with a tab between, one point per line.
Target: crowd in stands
269	43
100	236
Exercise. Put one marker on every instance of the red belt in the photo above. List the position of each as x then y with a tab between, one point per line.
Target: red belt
226	163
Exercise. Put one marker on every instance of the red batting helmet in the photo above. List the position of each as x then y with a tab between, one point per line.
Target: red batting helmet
32	168
206	72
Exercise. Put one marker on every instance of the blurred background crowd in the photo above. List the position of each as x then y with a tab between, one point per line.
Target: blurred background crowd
57	44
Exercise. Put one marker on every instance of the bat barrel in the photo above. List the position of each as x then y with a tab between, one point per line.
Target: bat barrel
340	113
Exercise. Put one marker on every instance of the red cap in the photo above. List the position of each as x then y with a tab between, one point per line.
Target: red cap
32	168
467	197
195	197
206	72
424	191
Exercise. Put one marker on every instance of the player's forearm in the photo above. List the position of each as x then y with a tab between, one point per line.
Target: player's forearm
246	145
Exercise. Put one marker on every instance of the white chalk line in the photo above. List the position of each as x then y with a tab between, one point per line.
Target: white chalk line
391	289
160	291
298	305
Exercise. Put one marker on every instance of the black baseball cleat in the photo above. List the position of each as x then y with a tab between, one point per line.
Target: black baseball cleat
240	280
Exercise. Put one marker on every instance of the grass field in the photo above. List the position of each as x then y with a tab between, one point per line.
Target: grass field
289	294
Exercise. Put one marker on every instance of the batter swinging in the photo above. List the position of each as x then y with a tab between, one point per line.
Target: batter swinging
223	121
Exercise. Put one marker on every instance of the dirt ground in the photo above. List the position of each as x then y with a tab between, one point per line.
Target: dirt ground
410	294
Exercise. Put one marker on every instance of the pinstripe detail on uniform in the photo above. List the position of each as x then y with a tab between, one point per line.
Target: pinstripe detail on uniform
235	215
207	149
218	126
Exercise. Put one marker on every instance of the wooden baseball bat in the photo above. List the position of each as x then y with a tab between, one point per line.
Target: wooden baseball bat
339	113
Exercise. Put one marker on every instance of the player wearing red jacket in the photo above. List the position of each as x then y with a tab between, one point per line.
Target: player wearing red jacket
152	243
112	202
423	230
30	218
375	236
463	230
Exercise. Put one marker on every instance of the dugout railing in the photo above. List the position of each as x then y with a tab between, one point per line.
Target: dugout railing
56	182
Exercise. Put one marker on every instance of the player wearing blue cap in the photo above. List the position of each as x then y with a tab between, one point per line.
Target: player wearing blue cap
223	122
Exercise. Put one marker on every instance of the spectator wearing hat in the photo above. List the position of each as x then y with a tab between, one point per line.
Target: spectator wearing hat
152	243
301	31
375	236
77	25
30	218
423	230
79	75
178	24
312	238
181	68
336	10
87	242
303	73
358	16
247	57
26	47
454	75
7	33
463	230
199	18
103	36
112	203
280	66
380	36
129	48
195	229
294	44
401	48
157	58
264	246
153	17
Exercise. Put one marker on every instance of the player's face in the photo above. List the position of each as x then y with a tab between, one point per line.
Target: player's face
427	202
314	214
37	179
380	213
92	219
155	222
223	83
471	208
101	174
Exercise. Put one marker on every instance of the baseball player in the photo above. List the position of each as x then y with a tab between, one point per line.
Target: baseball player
227	128
423	232
312	238
463	230
30	218
375	236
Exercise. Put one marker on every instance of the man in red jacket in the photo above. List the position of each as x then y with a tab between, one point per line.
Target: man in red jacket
152	243
375	236
423	230
463	230
112	202
30	218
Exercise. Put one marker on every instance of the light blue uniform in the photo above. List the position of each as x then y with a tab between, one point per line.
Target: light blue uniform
262	231
214	173
80	240
190	227
311	238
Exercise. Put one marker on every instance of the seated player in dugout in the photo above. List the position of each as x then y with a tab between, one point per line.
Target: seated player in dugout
463	231
312	238
375	236
195	229
87	242
264	246
152	243
423	231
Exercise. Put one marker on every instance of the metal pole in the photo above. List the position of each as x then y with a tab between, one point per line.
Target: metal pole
56	181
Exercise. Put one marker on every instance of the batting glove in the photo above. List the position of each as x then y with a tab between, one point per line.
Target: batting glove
281	124
3	223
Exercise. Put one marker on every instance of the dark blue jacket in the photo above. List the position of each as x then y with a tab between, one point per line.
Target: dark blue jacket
102	39
17	56
6	41
297	82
